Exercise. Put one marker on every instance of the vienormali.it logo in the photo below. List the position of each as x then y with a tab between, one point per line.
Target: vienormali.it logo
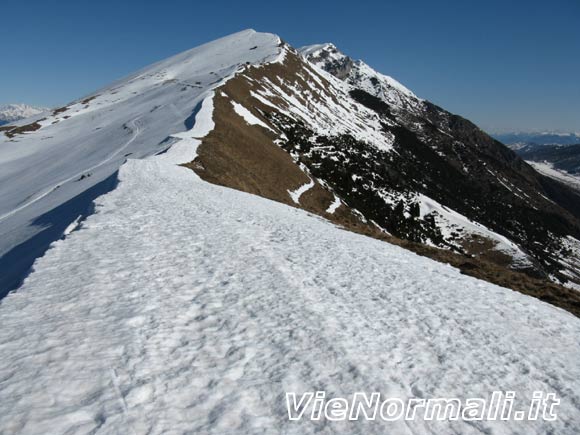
362	406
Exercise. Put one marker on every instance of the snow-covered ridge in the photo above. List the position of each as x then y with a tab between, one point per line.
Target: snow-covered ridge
186	307
92	137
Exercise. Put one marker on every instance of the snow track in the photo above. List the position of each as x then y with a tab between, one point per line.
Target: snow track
181	306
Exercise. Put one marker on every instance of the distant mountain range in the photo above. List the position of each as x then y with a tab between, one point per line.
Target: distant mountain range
519	139
15	112
553	154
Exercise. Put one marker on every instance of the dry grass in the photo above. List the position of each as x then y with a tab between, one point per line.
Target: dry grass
12	131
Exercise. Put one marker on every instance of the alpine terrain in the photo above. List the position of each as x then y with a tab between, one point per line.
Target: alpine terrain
182	248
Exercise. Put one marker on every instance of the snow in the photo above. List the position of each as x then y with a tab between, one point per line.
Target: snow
334	205
449	221
362	76
331	113
296	194
315	49
249	117
367	72
547	168
135	117
181	306
72	226
572	261
185	307
15	112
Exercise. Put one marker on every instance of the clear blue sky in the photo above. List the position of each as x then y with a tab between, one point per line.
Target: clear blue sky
506	65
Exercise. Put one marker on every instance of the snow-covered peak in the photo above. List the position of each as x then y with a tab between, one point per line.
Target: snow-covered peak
215	58
329	58
327	50
14	112
360	75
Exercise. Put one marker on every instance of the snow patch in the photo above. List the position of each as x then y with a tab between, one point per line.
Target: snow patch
296	194
334	205
249	116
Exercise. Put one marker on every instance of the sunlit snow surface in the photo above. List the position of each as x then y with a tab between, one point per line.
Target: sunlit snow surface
184	307
133	118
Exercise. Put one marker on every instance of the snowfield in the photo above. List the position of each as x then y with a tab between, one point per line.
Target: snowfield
184	307
83	144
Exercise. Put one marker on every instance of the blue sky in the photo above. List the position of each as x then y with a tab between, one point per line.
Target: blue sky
506	65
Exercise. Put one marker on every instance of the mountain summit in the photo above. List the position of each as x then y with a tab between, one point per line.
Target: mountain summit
359	74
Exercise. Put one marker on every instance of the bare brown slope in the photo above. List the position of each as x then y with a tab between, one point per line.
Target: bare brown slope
245	157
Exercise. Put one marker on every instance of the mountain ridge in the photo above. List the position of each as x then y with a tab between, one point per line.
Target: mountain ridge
390	162
224	259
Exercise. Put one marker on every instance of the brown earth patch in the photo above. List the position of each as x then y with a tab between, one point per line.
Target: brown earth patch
12	131
60	110
245	157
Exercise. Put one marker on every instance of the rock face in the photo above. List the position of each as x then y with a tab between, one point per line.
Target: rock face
441	158
390	161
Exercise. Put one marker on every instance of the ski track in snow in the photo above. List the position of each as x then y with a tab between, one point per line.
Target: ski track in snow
184	307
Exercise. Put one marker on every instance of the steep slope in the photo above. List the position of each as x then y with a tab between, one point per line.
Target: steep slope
52	168
185	307
363	152
256	114
446	182
15	112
